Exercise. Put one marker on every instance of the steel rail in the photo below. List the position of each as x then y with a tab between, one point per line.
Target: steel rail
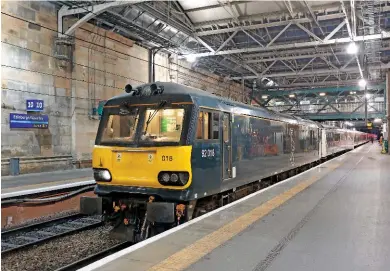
37	233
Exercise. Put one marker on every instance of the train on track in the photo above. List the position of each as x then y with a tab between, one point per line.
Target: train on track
166	153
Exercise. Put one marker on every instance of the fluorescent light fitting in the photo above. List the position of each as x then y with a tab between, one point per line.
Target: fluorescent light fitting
352	92
191	58
362	83
348	123
322	94
264	96
368	96
377	120
352	49
291	95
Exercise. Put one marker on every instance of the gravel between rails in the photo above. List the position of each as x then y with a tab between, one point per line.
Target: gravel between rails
59	252
40	219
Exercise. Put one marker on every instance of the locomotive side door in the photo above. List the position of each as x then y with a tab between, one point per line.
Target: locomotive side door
226	147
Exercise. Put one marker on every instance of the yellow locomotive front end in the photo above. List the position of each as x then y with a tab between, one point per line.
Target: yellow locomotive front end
142	162
166	167
142	145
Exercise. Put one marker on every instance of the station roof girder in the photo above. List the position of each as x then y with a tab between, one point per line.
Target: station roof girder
241	40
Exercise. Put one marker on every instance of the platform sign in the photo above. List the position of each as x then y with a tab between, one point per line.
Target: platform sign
25	121
34	105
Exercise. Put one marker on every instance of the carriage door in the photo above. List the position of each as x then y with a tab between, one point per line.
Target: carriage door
227	147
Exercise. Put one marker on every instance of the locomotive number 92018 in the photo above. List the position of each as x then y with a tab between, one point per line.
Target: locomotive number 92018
208	153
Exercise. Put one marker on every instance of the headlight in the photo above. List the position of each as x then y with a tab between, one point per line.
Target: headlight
173	178
165	177
101	175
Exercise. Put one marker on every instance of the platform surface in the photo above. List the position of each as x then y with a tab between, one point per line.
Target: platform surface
44	179
333	217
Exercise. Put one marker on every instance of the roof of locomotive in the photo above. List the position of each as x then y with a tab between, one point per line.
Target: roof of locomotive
206	99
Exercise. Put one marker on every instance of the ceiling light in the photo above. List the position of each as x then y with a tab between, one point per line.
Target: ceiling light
291	95
352	49
368	96
377	120
352	92
362	83
191	58
264	96
348	123
322	94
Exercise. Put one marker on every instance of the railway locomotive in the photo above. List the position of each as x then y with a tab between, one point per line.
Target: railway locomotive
166	153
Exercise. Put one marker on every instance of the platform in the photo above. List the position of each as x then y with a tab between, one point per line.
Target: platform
45	179
332	217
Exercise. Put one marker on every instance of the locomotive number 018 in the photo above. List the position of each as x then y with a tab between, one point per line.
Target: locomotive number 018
166	158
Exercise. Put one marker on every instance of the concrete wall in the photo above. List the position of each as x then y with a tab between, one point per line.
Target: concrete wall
102	63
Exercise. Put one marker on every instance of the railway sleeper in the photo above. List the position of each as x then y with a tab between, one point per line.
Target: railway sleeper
47	233
10	245
28	238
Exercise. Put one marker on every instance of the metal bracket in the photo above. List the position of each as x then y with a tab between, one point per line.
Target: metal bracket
91	11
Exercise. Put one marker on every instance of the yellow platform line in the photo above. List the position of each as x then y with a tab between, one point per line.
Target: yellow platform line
194	252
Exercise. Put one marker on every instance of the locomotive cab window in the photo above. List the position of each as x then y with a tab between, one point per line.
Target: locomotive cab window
207	126
163	125
141	125
120	128
203	130
215	125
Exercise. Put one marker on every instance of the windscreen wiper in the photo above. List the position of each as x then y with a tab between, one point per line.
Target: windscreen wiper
152	114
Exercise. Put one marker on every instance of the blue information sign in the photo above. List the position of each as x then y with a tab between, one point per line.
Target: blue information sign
34	105
28	121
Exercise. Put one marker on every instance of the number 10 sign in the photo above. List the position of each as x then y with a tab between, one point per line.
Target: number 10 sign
34	105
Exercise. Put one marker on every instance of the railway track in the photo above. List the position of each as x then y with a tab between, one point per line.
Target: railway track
37	233
94	257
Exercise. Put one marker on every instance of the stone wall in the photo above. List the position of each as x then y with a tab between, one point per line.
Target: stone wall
100	65
29	72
